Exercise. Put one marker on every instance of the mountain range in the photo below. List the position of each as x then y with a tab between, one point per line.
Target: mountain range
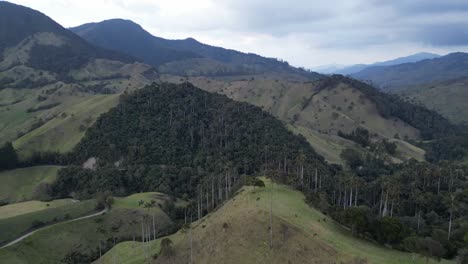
353	69
181	57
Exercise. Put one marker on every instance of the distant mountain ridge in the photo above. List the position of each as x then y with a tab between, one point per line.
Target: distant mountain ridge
352	69
451	66
128	37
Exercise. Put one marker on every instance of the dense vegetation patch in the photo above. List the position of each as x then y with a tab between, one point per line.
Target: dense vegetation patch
172	138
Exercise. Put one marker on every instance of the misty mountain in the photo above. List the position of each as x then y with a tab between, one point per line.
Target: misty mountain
451	66
198	58
351	69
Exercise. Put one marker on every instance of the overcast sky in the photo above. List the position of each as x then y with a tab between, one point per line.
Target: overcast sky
304	32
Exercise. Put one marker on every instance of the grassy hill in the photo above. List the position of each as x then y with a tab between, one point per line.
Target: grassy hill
238	232
122	222
11	210
22	184
15	226
446	97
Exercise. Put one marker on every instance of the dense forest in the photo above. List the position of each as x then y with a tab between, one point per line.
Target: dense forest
175	138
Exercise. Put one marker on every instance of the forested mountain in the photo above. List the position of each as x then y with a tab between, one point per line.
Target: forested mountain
188	56
451	66
129	37
178	137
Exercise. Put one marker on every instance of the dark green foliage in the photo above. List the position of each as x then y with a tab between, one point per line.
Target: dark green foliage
166	247
175	137
36	224
427	247
352	158
388	230
8	157
77	257
357	218
359	135
390	147
449	148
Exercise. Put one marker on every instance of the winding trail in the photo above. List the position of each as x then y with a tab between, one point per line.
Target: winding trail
34	231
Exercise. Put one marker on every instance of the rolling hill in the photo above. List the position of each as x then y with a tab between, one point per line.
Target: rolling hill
180	57
446	97
81	241
238	232
54	84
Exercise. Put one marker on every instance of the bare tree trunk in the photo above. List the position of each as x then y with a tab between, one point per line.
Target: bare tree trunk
226	182
419	217
191	241
271	219
220	188
154	229
381	202
351	196
345	199
320	182
391	209
450	220
385	209
355	197
316	179
438	185
334	195
212	193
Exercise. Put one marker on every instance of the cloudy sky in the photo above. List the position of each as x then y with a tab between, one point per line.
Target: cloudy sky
304	32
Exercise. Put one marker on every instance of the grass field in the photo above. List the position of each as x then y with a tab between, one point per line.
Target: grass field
238	233
15	209
122	222
63	133
13	227
19	184
447	97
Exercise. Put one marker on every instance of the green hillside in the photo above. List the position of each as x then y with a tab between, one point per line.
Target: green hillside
238	232
446	97
25	183
79	240
15	226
